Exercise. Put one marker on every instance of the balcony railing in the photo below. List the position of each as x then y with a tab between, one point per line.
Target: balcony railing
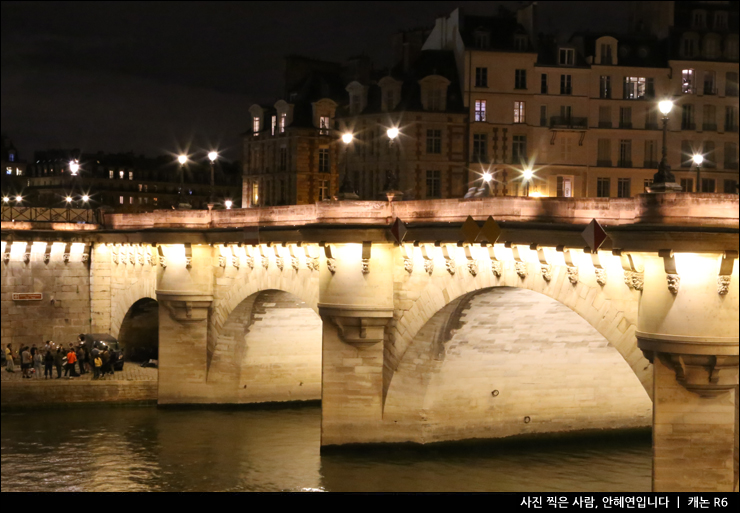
624	163
568	122
625	124
650	164
730	128
709	127
710	90
652	126
605	124
731	165
603	163
688	126
49	215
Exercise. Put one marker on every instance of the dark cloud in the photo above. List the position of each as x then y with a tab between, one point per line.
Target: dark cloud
144	75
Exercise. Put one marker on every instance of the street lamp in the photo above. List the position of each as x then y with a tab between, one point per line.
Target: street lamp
212	156
346	191
74	167
18	199
528	175
85	198
5	199
698	159
68	200
228	204
182	159
391	176
663	180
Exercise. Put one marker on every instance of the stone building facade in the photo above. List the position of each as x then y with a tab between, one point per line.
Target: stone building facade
581	115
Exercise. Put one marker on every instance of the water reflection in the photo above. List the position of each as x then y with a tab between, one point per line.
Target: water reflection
141	449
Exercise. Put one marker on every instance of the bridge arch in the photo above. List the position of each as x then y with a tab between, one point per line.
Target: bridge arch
139	331
506	361
611	309
124	294
268	350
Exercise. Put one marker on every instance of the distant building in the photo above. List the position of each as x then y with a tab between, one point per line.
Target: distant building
13	169
125	182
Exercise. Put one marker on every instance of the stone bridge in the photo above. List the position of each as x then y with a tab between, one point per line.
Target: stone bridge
481	318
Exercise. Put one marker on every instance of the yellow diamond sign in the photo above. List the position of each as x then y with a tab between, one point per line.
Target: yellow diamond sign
490	232
470	230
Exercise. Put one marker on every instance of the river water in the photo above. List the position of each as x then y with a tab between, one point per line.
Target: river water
146	449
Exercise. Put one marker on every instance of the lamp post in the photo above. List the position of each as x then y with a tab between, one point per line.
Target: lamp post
182	159
391	177
346	191
212	156
528	175
74	167
698	159
663	180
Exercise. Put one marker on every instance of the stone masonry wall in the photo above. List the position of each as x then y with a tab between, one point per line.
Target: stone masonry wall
64	311
69	393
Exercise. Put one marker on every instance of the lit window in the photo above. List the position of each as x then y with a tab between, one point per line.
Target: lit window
634	88
687	81
255	193
130	175
120	200
283	122
605	86
130	200
324	125
110	174
255	125
519	114
8	170
120	175
274	124
566	56
11	157
480	110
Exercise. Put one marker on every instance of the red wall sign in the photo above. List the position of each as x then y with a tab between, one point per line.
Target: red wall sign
28	296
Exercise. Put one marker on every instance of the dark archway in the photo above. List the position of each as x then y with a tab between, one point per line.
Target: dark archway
139	333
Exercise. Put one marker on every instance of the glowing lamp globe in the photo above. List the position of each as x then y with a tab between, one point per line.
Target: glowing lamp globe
212	156
665	106
182	159
392	133
347	138
698	159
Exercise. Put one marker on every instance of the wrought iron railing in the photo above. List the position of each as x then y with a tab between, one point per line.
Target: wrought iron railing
568	122
49	215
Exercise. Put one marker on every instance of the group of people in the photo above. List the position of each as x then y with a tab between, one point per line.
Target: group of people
51	356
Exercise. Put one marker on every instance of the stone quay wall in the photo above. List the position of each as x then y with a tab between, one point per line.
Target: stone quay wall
62	394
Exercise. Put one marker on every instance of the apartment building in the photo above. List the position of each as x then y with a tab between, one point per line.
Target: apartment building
579	117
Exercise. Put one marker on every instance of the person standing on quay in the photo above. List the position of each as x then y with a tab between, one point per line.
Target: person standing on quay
71	360
80	354
37	362
9	365
58	360
26	361
48	363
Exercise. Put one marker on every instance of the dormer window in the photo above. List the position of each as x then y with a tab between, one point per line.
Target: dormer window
390	93
698	19
566	56
273	125
711	46
482	39
256	125
520	42
434	92
720	20
283	122
324	125
606	53
355	104
688	46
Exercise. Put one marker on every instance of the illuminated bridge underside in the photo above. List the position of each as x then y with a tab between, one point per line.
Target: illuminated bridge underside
506	356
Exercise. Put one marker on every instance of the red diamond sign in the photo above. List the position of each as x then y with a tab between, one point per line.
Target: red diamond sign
398	230
594	235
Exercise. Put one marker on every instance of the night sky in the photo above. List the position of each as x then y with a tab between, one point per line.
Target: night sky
155	77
